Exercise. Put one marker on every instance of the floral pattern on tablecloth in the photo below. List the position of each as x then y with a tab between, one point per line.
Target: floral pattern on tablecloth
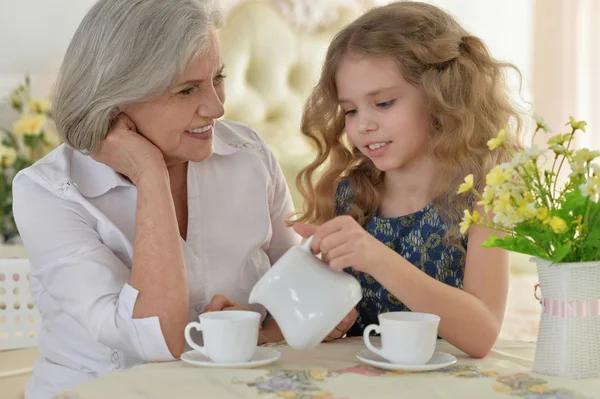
304	384
459	370
293	384
530	387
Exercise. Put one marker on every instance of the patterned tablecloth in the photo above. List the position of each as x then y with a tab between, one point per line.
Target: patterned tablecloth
332	371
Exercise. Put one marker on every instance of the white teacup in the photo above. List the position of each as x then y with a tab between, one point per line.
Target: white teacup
407	338
230	336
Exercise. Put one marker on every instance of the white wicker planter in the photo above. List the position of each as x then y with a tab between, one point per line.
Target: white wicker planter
568	342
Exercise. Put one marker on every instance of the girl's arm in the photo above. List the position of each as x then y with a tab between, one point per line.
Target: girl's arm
471	318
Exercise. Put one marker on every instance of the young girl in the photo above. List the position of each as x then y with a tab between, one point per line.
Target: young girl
418	98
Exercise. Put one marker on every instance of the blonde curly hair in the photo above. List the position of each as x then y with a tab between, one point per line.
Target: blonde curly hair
467	101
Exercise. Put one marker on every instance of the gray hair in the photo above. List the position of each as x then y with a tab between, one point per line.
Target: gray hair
125	52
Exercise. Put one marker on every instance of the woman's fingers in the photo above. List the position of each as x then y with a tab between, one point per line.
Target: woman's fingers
217	303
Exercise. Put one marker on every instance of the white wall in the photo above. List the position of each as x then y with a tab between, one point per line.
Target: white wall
506	26
34	35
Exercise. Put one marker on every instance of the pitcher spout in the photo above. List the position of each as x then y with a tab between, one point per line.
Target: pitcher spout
255	295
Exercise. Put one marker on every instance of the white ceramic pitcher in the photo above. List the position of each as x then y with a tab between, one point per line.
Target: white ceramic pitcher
305	296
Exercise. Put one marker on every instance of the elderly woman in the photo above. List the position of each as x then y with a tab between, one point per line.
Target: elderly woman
154	211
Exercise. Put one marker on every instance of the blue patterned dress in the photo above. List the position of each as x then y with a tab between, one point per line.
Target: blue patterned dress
417	237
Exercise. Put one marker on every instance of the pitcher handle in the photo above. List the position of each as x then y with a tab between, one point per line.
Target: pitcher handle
306	245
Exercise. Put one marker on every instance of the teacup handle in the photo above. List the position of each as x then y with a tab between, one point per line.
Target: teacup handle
189	340
367	338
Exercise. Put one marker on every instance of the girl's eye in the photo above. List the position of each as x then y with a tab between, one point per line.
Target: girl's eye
386	104
350	113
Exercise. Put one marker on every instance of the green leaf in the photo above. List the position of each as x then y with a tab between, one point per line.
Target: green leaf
573	202
561	252
534	229
515	244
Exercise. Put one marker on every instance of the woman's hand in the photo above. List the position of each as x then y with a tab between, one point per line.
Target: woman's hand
221	302
127	151
341	329
345	243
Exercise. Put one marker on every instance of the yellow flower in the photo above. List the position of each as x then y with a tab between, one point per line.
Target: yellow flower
538	388
8	155
558	149
487	198
558	225
468	220
542	214
584	155
498	141
503	204
467	185
29	124
497	177
39	106
576	124
286	394
526	209
560	139
318	375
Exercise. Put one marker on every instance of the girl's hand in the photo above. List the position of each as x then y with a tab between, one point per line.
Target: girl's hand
345	243
127	151
341	329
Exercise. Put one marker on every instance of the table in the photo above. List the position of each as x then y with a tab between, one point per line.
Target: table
331	371
18	363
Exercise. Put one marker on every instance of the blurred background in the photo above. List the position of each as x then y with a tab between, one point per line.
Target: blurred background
273	50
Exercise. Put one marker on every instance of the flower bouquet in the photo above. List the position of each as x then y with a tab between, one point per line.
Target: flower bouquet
540	211
32	136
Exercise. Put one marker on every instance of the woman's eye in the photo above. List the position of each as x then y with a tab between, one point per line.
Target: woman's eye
187	92
220	78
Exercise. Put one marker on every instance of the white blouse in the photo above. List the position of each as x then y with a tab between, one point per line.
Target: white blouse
76	218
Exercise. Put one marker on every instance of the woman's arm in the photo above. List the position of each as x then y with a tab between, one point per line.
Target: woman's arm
158	270
158	267
78	274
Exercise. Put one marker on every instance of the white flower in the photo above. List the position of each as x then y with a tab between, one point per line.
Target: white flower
590	189
577	168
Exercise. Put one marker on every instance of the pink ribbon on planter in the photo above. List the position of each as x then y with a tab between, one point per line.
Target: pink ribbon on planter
571	309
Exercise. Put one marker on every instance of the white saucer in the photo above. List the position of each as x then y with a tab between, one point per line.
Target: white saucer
262	357
438	361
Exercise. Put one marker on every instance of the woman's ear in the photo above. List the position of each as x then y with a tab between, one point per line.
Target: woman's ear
113	117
